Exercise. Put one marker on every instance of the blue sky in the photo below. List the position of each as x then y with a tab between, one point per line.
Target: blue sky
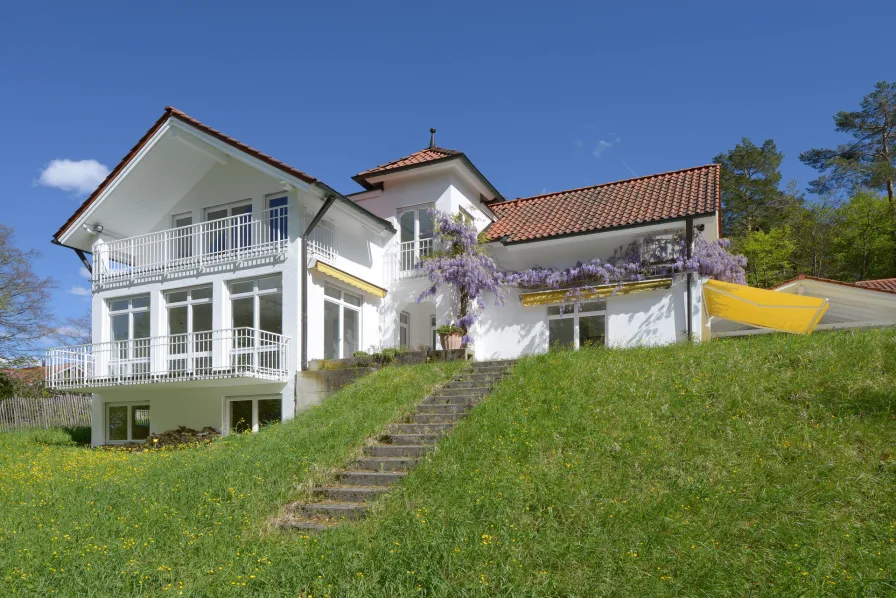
541	97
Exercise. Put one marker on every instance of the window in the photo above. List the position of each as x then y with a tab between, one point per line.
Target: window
577	326
181	240
126	422
189	329
256	308
277	217
467	217
342	323
229	227
245	413
404	329
416	235
129	332
436	341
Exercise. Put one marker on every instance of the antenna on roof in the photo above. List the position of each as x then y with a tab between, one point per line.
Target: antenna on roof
432	138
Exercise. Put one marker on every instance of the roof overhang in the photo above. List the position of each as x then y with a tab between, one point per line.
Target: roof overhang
182	150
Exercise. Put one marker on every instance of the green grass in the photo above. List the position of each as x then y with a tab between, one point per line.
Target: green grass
747	467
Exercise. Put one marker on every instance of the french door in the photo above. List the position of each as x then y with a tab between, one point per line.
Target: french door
228	227
129	332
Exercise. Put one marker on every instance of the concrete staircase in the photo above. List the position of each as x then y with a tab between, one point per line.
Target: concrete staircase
393	454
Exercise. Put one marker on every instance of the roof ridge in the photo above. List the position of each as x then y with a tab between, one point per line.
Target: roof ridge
621	181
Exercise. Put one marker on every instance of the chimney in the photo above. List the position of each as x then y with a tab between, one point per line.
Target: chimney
432	138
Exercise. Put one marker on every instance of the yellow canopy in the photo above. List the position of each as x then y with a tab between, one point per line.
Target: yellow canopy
767	309
341	275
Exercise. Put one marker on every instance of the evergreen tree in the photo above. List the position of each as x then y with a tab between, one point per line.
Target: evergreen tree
751	198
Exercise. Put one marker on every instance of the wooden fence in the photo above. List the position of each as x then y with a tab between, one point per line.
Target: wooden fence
61	411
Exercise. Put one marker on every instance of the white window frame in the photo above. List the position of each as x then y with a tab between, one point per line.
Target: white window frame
343	305
573	312
228	427
255	293
130	405
226	206
410	256
189	303
130	311
406	327
176	217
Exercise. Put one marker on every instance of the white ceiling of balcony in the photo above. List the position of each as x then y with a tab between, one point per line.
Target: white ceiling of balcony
151	188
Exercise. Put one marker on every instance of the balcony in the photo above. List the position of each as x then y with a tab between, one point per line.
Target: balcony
402	259
192	248
211	355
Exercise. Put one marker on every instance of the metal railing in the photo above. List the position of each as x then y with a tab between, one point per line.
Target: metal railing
192	247
226	353
402	260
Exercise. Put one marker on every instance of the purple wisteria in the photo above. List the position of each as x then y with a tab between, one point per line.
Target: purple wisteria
462	264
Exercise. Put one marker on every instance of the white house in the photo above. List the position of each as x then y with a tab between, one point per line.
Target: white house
210	294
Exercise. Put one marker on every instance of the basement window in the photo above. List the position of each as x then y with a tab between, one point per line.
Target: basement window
576	326
246	414
126	422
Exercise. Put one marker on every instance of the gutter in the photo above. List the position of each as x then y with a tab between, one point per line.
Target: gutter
689	242
78	252
328	202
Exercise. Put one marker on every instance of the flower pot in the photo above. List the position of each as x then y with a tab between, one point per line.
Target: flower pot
451	341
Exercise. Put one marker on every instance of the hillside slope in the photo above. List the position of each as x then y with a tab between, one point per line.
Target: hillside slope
756	466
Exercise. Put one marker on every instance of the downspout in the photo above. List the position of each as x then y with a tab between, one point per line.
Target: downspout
689	243
314	221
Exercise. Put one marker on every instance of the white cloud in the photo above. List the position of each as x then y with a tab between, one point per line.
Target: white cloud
84	273
82	176
602	146
79	291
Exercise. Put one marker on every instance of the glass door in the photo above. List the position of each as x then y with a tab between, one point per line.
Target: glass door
129	335
189	330
415	236
228	227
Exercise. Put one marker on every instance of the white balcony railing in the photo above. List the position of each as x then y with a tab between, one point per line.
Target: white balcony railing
228	353
402	260
232	239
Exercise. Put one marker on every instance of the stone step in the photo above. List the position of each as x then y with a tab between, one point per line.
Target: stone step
419	439
462	401
493	371
349	494
476	391
333	511
484	379
495	362
435	418
420	428
444	408
311	525
456	384
396	450
386	463
370	478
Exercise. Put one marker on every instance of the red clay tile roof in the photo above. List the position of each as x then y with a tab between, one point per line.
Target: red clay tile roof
425	155
643	200
883	284
175	113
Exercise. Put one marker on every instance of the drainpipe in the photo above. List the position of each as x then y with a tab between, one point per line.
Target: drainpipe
314	221
689	242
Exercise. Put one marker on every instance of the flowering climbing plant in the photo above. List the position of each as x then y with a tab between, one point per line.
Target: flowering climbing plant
462	264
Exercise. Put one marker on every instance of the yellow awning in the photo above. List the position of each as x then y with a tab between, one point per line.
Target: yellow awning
558	296
767	309
347	278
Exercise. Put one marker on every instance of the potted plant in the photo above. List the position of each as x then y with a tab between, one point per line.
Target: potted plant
451	336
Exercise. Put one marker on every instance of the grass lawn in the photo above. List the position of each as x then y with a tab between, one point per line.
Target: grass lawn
747	467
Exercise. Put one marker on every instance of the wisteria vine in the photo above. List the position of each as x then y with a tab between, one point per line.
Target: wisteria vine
462	264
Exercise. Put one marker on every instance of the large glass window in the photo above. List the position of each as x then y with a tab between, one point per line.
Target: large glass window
256	308
415	235
404	329
229	227
129	332
127	423
181	240
189	329
277	225
251	414
577	326
342	323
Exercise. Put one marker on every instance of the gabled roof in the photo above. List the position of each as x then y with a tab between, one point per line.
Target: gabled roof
638	201
171	112
863	285
425	157
882	284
